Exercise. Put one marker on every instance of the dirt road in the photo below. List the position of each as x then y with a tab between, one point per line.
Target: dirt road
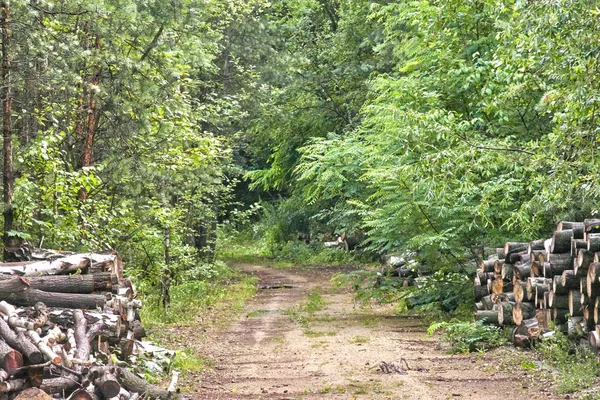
310	341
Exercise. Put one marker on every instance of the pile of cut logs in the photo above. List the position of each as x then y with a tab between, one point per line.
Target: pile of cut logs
404	268
61	319
529	285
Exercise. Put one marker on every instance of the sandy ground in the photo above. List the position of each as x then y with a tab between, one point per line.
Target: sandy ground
276	350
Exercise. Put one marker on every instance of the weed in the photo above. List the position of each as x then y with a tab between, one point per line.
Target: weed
578	365
189	299
325	389
256	313
465	337
359	339
187	361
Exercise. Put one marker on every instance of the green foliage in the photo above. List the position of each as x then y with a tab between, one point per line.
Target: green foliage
466	337
578	366
219	284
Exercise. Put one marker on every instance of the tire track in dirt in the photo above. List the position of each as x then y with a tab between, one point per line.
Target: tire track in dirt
275	352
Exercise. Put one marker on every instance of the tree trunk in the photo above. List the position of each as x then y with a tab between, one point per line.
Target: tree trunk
16	291
8	178
570	280
83	284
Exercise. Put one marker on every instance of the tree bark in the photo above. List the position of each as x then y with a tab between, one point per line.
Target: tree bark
8	178
570	280
522	311
593	240
10	359
18	341
17	292
133	383
578	228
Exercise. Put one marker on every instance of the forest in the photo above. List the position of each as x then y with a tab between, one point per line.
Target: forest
172	132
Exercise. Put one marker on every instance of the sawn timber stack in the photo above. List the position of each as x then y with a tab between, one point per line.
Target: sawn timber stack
527	285
63	321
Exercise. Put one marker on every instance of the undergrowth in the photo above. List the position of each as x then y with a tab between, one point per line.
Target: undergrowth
578	365
190	298
245	247
466	337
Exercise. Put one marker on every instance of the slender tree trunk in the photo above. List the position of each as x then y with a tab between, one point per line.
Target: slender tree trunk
165	279
6	94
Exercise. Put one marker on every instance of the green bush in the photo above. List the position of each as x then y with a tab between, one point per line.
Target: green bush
465	337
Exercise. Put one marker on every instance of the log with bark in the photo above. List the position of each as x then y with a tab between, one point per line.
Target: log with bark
561	241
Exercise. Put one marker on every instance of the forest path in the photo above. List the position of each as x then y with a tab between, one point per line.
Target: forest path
311	341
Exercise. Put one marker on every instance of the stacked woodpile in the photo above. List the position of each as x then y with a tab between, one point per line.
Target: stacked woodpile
63	322
405	268
529	285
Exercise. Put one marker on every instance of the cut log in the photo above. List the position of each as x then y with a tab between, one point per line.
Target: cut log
65	265
532	284
83	345
133	383
519	291
505	313
507	272
557	286
558	301
560	262
593	240
584	258
536	245
488	316
575	306
547	270
559	315
17	292
522	271
17	340
70	283
500	254
561	241
521	311
488	265
592	225
578	228
576	245
46	350
569	280
594	339
59	385
105	381
514	247
487	302
10	359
